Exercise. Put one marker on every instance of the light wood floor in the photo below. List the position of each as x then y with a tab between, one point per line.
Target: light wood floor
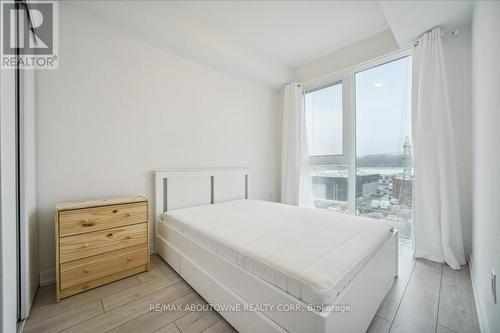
427	297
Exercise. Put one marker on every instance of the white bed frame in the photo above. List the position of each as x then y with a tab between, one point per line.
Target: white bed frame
221	282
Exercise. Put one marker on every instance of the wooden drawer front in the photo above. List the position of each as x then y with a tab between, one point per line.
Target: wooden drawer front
99	282
84	270
97	242
78	221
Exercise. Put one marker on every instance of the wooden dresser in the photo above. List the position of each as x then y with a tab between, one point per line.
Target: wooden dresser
100	241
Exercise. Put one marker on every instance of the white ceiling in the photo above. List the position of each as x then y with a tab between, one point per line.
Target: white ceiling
264	40
290	32
409	19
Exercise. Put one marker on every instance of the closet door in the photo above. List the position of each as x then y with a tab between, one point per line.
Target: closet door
26	172
18	229
8	201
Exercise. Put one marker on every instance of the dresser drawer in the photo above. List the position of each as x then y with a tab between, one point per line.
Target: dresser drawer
84	270
78	221
97	242
99	282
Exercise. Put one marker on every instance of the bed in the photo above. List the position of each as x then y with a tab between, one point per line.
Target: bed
269	267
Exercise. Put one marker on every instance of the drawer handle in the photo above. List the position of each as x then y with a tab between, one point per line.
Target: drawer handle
86	270
129	259
87	223
109	235
114	211
128	237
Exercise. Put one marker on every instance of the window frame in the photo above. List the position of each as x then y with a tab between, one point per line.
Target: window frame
347	78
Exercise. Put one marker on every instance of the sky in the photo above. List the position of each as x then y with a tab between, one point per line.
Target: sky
383	118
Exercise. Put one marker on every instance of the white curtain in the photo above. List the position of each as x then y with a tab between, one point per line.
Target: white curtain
296	185
438	230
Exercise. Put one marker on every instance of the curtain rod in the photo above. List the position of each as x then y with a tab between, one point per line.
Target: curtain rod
453	32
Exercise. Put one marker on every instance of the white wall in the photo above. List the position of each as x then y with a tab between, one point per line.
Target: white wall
354	54
119	108
486	149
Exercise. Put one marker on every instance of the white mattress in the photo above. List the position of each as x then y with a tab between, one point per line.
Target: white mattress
311	254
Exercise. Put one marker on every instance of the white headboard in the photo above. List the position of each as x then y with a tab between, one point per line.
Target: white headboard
180	188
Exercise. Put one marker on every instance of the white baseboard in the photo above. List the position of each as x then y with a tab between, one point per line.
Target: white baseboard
483	324
47	277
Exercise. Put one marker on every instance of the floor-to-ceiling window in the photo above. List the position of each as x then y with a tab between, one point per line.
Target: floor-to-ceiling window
384	168
359	135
